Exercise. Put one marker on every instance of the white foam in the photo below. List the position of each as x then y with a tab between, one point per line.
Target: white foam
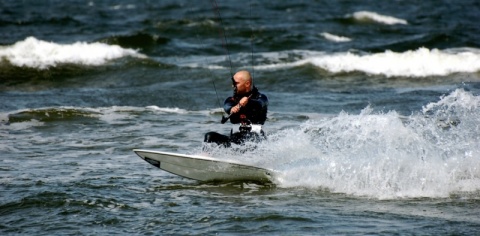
36	53
24	125
458	100
168	109
383	155
373	16
335	38
413	63
422	62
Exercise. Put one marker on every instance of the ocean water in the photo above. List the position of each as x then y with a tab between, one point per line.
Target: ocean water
373	123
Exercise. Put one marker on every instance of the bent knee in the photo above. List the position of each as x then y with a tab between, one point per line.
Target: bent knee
209	137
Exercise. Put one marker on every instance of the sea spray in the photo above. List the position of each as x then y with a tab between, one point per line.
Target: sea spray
384	155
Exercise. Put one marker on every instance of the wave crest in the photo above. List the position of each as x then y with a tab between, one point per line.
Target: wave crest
367	16
335	38
35	53
422	62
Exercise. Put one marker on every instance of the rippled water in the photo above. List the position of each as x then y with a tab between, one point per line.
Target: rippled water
373	123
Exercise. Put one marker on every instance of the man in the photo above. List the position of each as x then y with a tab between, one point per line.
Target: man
246	107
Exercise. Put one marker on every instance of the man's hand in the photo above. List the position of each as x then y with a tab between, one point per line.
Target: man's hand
243	102
235	109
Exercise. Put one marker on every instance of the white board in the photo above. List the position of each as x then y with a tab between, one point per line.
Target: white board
206	168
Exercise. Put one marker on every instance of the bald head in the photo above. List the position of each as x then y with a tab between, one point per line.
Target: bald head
243	81
244	76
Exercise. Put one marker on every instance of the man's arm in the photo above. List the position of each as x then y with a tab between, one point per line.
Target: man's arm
260	103
255	108
231	107
228	104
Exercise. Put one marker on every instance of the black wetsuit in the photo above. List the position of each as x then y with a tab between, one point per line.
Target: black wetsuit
255	112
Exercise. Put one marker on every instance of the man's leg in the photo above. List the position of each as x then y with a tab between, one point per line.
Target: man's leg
220	139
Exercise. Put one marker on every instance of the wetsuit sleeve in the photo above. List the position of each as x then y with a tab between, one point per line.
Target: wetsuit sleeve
259	103
228	104
258	109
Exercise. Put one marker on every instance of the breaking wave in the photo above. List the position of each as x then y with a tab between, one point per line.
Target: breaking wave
367	16
112	115
413	63
335	38
39	54
422	62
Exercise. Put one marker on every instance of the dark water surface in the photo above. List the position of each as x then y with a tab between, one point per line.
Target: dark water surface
373	120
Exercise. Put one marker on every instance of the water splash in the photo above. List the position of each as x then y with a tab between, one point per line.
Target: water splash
384	155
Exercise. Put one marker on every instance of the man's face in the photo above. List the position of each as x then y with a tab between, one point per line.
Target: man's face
240	85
